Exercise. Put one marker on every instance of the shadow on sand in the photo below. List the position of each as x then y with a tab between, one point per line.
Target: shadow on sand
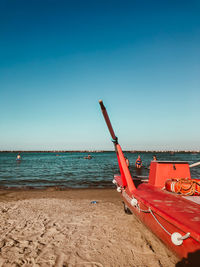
193	260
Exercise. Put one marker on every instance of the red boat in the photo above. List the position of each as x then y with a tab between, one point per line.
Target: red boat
173	216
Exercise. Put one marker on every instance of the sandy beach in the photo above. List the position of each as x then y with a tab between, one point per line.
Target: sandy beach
63	228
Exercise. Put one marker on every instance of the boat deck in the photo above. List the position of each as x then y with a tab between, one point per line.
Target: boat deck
181	211
195	199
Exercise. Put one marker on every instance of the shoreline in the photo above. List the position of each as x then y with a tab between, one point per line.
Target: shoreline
63	228
52	188
13	194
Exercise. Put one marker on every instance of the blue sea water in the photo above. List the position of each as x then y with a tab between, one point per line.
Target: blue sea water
71	170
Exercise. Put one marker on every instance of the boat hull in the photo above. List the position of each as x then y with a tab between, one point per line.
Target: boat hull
164	214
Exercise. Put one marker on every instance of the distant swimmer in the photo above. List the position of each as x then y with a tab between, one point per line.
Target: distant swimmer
18	157
88	157
138	162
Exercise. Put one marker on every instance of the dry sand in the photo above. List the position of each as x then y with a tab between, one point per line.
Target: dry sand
63	228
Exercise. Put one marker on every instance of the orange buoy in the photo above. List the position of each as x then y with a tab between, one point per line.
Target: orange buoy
197	189
187	187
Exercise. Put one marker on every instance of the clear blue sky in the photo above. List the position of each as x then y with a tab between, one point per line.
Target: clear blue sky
58	58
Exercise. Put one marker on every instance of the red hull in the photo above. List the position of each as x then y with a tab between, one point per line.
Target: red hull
169	214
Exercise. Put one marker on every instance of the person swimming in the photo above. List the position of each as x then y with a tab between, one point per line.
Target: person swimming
88	157
138	162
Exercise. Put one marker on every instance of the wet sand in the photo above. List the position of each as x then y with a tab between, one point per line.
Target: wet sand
62	228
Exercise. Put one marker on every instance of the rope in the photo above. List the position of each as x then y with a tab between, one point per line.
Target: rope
150	211
191	187
174	235
159	222
115	141
183	186
145	211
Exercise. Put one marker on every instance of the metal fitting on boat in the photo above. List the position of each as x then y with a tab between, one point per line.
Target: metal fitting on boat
114	181
134	202
119	189
177	238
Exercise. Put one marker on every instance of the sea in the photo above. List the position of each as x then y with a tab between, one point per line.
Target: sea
71	169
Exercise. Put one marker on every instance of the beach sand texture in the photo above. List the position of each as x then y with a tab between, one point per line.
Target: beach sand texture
63	228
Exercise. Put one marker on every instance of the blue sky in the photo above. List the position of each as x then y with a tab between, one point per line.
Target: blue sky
58	58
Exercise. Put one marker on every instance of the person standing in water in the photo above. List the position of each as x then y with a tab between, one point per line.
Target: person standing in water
18	157
127	162
138	162
154	158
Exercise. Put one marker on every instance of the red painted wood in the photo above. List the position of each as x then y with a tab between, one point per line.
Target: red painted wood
122	177
161	171
125	170
174	212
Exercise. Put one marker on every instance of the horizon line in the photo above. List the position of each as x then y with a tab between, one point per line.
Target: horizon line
100	151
